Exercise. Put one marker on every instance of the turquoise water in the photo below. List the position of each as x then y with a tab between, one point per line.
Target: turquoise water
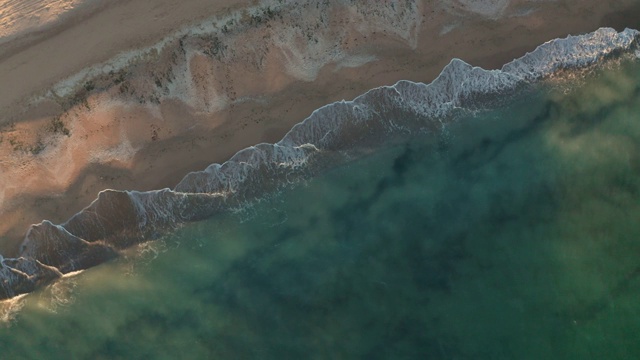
515	235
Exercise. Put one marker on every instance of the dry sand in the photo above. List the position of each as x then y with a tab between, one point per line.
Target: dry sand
205	94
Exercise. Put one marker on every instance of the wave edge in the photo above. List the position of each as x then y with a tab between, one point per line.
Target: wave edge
333	134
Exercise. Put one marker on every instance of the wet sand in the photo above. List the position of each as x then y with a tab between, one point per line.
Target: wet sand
219	105
91	32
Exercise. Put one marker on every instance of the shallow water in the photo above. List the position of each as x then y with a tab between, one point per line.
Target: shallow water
513	235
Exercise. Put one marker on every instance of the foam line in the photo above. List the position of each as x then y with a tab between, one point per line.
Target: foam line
332	135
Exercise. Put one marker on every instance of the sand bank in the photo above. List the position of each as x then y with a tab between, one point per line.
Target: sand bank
219	83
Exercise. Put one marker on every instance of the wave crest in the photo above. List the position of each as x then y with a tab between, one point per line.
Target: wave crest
333	134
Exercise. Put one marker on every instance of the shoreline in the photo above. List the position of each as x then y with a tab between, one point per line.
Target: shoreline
117	220
267	112
78	41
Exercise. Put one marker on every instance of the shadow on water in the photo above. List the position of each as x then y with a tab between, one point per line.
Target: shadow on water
514	235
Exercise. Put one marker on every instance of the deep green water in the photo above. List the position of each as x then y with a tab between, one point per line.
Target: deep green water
514	236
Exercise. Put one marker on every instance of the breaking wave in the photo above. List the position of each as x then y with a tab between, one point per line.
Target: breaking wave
332	135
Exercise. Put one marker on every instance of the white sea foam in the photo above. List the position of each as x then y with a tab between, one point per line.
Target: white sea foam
305	40
332	135
9	308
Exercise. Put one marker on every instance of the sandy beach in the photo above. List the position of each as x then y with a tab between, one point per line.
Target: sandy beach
134	94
